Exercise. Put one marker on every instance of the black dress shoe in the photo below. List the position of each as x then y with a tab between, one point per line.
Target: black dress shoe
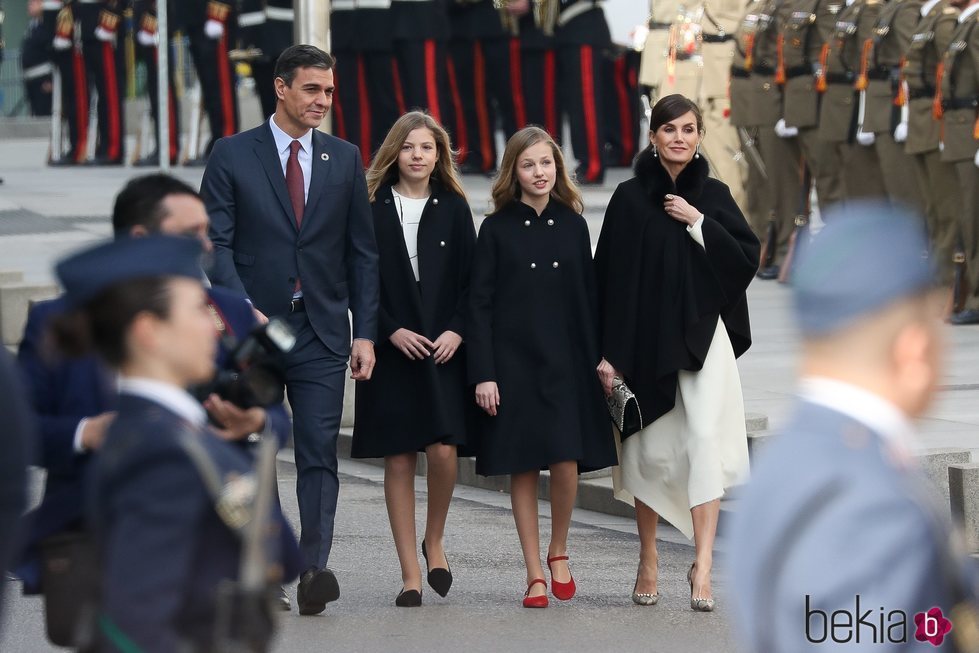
408	599
103	161
439	579
470	168
768	273
283	601
317	587
63	162
199	162
970	316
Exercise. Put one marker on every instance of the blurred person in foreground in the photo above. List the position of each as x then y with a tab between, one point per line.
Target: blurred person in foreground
837	520
15	438
168	497
74	399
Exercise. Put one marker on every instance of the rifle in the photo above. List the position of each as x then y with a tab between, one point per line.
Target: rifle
767	256
749	148
801	223
245	614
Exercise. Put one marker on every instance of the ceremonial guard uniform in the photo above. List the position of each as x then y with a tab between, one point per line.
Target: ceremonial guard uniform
59	21
207	24
881	82
810	24
757	102
582	36
348	111
652	70
421	32
100	23
35	61
721	145
838	111
936	178
531	71
379	79
477	79
147	47
268	26
960	131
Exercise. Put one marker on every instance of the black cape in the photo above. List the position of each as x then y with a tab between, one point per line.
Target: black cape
659	292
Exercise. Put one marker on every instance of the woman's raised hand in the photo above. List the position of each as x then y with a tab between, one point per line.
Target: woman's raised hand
413	345
606	373
677	208
488	397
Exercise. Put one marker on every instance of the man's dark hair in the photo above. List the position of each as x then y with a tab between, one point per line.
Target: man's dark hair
301	56
140	202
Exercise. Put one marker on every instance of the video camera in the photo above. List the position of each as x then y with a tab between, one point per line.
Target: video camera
253	373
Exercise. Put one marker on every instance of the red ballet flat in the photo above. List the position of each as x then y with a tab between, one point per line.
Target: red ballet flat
535	601
562	591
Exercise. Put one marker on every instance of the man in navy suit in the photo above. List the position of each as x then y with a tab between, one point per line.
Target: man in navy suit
292	229
74	400
838	543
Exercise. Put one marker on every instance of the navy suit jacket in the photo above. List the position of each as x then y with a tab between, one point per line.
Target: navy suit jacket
64	391
260	251
829	515
164	550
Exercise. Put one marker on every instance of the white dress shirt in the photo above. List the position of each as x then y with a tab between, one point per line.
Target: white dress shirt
282	143
873	411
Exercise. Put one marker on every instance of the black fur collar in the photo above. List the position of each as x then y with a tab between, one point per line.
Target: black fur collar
656	180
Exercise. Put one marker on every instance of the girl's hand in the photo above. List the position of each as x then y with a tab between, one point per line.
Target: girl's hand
488	397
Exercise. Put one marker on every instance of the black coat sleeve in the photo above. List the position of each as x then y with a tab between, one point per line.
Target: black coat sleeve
732	248
465	239
482	291
16	438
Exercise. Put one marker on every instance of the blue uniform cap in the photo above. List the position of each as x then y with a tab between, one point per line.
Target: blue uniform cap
87	274
868	256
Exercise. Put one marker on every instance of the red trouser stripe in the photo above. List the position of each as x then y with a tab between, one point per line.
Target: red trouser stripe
594	168
81	106
516	85
462	137
340	126
399	92
174	136
550	94
625	113
112	101
365	111
224	82
431	79
482	116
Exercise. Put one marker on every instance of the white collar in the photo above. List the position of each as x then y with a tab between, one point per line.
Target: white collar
174	399
968	12
283	140
928	6
871	410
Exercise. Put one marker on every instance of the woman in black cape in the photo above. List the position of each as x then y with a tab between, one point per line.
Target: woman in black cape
674	259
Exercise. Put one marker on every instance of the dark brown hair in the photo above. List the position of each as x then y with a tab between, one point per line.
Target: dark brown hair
102	324
301	56
672	107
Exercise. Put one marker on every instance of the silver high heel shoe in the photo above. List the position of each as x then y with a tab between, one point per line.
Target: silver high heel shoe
643	598
698	604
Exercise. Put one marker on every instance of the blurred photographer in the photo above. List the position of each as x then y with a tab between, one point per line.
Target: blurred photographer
74	400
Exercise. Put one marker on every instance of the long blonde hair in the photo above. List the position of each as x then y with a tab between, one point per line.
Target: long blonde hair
384	167
506	188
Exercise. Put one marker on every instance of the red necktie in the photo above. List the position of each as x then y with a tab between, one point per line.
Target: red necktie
294	182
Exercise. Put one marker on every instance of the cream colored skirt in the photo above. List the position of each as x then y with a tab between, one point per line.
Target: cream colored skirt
690	455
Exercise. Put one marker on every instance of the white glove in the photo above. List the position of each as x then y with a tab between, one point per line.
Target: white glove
901	132
941	146
975	159
214	29
105	35
865	138
60	43
147	39
784	131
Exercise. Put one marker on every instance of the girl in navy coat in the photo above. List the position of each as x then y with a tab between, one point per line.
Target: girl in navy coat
417	399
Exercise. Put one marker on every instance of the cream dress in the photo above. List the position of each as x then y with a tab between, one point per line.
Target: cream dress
690	455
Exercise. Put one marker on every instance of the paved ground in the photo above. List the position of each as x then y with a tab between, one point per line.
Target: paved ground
482	612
